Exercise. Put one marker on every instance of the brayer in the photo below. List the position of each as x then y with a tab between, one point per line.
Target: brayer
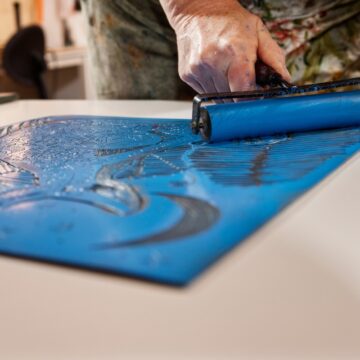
278	108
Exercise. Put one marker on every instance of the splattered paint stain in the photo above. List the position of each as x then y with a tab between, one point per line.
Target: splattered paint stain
108	193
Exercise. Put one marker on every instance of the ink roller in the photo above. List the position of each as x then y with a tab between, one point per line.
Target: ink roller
279	108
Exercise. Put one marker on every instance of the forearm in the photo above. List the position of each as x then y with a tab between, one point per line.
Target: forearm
179	11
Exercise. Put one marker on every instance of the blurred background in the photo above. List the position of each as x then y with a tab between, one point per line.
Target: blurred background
43	50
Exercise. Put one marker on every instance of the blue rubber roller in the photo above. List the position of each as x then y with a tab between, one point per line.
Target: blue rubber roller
280	115
278	108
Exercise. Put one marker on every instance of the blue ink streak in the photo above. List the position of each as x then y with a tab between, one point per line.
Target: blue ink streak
144	197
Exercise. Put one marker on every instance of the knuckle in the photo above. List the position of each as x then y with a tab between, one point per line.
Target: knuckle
209	55
248	56
259	22
228	46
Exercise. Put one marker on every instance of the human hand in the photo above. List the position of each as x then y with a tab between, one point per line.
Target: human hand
219	43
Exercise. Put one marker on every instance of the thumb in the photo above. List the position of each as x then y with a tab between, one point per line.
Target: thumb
270	52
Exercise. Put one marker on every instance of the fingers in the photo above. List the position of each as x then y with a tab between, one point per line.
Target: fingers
205	79
207	82
271	53
221	82
190	79
241	75
196	86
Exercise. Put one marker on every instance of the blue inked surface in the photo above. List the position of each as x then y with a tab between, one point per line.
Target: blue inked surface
144	197
283	115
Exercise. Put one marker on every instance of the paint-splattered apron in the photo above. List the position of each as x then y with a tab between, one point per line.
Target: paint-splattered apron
134	53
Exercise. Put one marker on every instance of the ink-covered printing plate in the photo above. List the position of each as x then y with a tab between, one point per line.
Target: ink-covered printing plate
145	197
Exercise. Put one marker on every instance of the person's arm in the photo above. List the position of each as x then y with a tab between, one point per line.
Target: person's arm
218	44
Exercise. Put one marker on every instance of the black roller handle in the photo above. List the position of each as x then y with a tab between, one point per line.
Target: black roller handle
273	85
266	76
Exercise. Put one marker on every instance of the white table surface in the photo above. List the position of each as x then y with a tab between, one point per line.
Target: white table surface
292	291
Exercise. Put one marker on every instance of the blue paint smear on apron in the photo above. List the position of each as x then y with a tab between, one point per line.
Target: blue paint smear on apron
144	197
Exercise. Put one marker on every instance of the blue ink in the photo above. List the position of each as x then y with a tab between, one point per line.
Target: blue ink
145	197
